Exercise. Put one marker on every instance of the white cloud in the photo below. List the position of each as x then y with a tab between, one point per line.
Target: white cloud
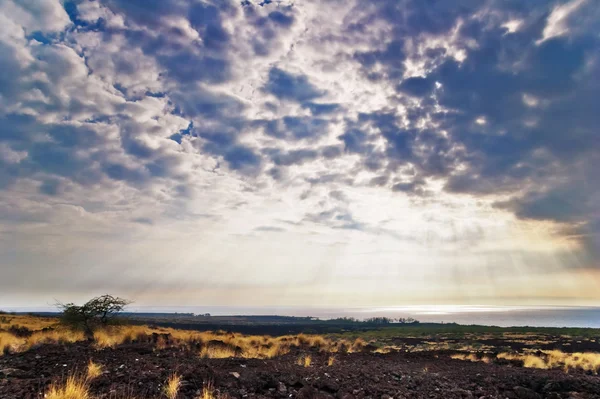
557	23
36	15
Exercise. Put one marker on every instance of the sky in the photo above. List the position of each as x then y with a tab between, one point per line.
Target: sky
309	153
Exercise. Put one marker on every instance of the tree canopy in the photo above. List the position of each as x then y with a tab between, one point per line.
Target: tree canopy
97	312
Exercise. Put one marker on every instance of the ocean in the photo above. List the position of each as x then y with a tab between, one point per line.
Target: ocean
503	316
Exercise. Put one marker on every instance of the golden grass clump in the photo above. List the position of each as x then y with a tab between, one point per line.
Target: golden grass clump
551	359
172	386
588	361
357	345
529	361
94	370
534	362
57	336
471	357
30	322
214	352
330	360
304	360
10	343
251	346
73	388
118	335
208	391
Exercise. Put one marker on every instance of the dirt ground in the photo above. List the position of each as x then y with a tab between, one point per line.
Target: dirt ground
140	370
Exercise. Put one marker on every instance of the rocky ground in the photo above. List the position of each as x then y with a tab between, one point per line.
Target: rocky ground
139	370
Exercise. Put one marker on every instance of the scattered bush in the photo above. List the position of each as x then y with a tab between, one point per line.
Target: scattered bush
97	312
20	331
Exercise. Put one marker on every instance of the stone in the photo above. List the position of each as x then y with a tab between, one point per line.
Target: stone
526	393
281	388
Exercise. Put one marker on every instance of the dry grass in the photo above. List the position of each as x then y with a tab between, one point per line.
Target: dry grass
208	391
211	352
73	388
30	322
172	386
253	346
304	360
529	361
357	345
552	359
208	344
588	361
230	345
471	357
9	343
114	336
94	370
60	336
330	360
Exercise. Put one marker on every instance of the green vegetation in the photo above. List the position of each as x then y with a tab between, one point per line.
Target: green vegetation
97	312
453	330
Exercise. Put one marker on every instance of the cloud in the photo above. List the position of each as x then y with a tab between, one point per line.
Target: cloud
37	16
297	128
287	86
416	86
273	229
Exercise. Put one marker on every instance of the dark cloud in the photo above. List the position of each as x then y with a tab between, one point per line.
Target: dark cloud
354	140
416	86
281	18
297	128
242	158
50	187
516	111
270	26
337	217
391	58
143	220
332	151
205	60
294	157
121	172
321	109
287	86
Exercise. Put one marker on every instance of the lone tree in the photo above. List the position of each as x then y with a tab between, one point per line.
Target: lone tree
97	312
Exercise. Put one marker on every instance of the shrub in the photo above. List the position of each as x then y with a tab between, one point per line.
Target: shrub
99	311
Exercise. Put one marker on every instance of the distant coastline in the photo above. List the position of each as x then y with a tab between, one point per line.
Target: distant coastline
542	316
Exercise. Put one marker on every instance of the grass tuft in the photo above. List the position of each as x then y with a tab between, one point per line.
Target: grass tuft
172	386
73	388
94	370
304	360
208	391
